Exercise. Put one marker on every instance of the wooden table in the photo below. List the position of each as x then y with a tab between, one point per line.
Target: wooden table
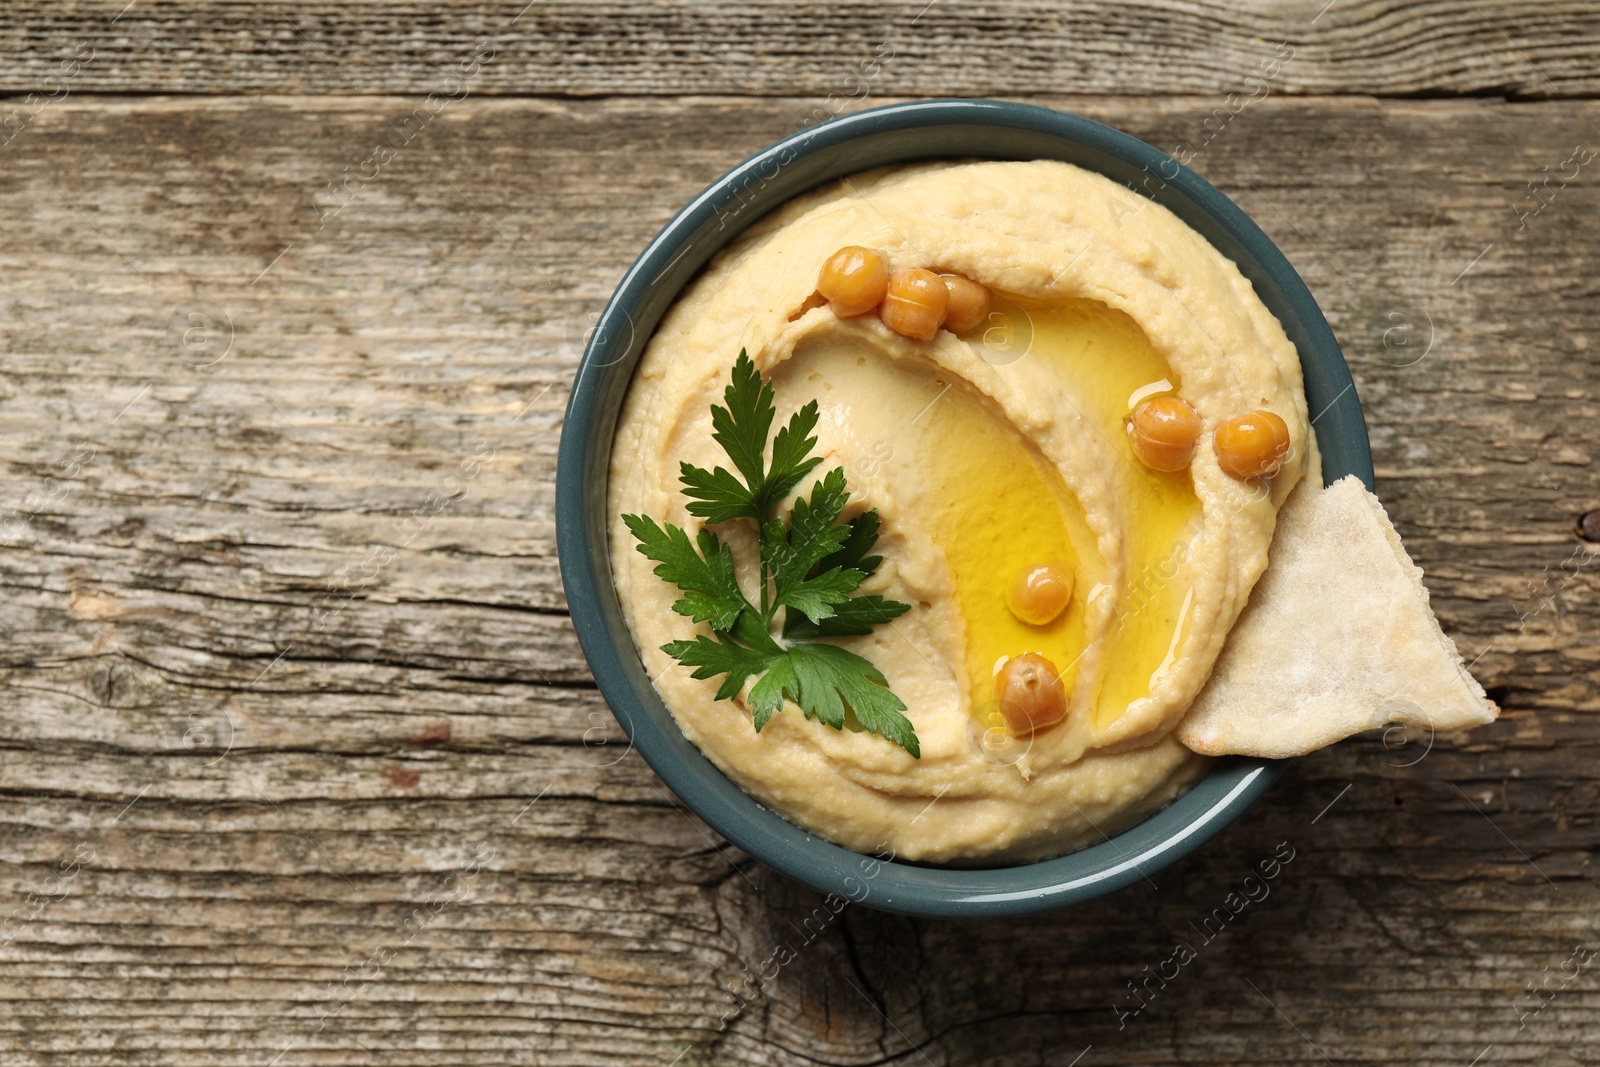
301	763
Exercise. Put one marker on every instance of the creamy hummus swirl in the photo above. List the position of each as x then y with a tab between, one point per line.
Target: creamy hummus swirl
1164	563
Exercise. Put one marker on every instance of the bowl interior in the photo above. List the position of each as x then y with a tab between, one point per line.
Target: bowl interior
903	133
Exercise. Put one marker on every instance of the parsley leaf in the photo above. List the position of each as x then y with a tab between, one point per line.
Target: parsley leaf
741	429
711	592
853	552
831	677
720	655
854	618
793	550
812	564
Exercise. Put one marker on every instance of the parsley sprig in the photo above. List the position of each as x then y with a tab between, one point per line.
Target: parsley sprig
812	563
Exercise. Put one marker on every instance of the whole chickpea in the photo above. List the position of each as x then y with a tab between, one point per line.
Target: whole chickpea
1040	593
1030	693
969	303
1163	431
915	304
854	280
1251	445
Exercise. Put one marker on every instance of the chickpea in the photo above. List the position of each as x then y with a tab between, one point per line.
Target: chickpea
1252	444
1041	592
915	304
1164	430
969	304
1030	693
854	280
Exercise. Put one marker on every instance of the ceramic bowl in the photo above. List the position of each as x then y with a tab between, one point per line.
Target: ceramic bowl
901	133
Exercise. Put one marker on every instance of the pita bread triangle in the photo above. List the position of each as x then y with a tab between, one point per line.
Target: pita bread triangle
1337	638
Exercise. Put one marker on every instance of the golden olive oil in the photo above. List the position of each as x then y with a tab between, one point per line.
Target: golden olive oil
995	506
1000	508
1109	365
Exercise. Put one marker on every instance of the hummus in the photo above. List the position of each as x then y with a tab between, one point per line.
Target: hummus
984	454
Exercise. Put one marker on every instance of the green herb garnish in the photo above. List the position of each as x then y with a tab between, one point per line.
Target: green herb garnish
811	566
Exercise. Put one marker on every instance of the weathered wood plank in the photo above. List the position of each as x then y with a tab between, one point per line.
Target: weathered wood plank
845	51
259	599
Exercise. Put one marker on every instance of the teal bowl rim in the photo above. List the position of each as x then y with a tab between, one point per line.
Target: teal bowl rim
902	133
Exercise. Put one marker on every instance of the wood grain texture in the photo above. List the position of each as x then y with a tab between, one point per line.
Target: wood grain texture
299	760
1520	48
